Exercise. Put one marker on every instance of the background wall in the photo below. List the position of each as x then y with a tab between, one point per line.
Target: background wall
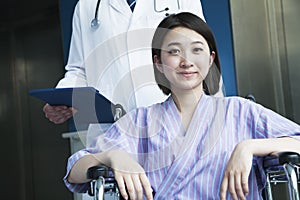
266	49
34	154
265	35
217	14
66	14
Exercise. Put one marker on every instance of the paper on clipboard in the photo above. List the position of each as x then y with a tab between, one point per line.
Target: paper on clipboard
92	106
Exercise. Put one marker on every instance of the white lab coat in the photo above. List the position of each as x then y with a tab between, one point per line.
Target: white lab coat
116	57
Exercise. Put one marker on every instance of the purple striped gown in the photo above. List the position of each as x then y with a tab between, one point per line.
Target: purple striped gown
190	164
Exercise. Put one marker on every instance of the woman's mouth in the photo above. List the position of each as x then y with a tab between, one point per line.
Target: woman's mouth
187	74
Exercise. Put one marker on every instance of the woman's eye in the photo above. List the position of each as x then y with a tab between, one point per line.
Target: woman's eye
198	50
173	51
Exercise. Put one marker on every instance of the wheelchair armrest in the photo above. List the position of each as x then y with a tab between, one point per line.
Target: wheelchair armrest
103	184
97	171
282	167
288	157
281	158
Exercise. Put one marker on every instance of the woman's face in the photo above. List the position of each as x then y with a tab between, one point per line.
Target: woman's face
185	59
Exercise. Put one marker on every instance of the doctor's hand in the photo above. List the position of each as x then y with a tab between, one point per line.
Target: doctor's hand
236	175
130	176
58	114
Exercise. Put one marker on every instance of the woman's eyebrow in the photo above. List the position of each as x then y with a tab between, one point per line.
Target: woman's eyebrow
178	43
173	44
197	42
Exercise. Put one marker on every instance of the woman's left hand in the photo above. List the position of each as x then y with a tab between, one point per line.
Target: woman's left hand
237	172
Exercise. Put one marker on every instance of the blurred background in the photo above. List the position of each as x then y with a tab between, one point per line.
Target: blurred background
33	152
260	54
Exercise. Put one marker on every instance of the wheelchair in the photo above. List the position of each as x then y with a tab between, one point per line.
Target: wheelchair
103	184
283	167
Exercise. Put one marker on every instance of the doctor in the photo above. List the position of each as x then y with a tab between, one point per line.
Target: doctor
110	50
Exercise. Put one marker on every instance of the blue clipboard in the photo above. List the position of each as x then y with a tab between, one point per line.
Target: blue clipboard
92	106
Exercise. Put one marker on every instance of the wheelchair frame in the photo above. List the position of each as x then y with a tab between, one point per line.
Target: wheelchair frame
283	167
103	184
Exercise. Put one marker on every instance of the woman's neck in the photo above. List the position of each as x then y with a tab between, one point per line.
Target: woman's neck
186	100
186	103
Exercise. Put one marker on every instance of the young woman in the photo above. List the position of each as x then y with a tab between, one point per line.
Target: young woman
193	145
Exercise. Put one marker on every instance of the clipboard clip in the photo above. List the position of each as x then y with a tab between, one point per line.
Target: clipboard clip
118	111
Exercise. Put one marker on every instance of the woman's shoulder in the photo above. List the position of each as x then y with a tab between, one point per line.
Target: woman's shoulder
234	99
154	109
236	102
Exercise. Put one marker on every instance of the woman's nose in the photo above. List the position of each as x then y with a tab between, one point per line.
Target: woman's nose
186	62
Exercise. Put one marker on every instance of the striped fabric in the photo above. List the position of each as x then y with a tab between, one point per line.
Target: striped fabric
190	164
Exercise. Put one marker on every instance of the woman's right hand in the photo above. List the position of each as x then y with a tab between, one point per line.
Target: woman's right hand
58	114
130	176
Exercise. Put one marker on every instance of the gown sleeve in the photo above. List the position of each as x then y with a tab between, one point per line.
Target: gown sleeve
122	135
271	125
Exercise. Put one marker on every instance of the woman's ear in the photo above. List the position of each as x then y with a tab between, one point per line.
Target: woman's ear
158	64
212	58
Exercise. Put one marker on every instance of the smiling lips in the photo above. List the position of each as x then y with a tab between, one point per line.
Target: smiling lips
187	74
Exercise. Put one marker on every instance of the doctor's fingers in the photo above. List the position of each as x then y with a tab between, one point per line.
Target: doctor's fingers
59	120
58	109
49	108
58	116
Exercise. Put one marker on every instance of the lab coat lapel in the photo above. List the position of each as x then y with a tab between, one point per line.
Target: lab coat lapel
121	6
